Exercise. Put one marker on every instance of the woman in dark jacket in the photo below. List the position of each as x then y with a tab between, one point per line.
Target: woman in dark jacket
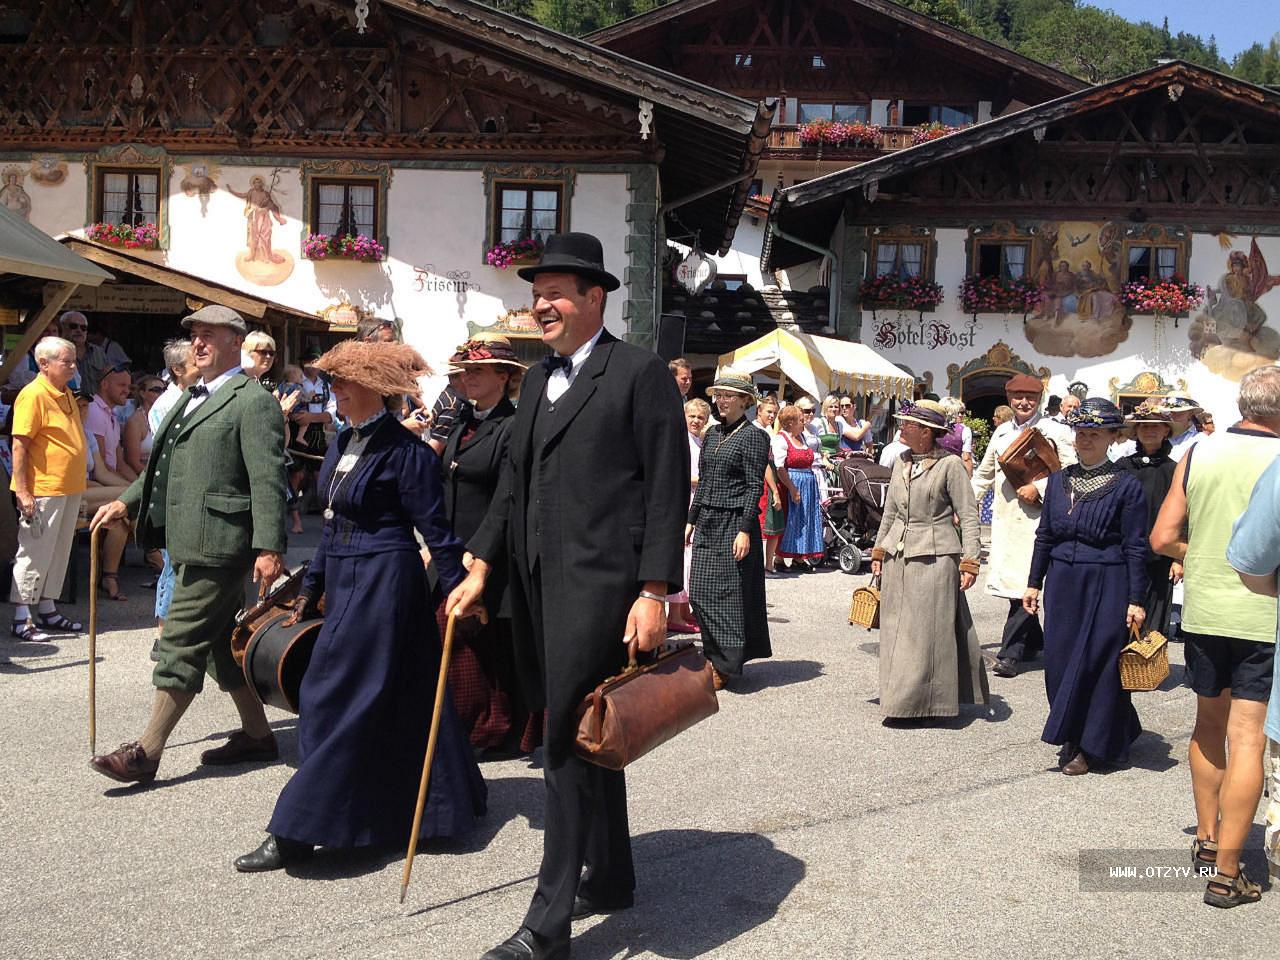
1090	556
726	571
366	699
1153	465
482	674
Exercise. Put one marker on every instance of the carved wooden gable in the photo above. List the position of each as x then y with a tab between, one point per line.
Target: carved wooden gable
272	74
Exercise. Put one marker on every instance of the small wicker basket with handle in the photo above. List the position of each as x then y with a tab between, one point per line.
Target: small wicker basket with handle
865	609
1144	662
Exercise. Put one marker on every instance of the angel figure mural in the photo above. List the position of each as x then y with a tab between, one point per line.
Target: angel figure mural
200	181
262	263
1230	336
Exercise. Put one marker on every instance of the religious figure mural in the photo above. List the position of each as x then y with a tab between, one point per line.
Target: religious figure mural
262	263
48	171
1077	265
12	194
1230	335
199	180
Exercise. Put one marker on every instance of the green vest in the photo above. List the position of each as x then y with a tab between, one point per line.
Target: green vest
1221	474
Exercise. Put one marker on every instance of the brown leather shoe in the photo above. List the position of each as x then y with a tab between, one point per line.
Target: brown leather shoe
128	763
718	679
1076	765
242	748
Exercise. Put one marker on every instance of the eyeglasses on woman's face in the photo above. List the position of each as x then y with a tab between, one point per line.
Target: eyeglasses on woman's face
263	351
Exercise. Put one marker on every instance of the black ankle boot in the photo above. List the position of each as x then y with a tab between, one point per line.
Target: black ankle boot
275	853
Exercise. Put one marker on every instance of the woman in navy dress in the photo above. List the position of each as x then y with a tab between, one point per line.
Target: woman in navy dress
365	702
1090	556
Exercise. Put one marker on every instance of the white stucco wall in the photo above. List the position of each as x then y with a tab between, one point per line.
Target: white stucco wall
436	221
1151	344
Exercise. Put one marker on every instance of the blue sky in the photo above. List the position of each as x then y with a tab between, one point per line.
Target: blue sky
1236	23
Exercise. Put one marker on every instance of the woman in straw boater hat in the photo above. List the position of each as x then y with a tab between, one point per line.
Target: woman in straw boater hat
1090	557
365	700
482	675
1153	464
930	662
726	569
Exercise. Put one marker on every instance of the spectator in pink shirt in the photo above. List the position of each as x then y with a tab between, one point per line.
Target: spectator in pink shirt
113	390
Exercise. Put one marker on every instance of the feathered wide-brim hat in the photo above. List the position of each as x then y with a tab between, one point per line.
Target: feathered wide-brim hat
1149	411
385	368
1096	413
1180	405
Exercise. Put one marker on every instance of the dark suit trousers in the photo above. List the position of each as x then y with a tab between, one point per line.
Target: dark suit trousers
1023	636
586	826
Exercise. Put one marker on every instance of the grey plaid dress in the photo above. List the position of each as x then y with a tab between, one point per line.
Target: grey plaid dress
728	595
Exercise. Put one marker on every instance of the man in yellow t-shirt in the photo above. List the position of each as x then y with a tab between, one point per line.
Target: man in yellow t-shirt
50	468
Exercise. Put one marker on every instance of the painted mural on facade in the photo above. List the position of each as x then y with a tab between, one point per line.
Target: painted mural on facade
262	263
1077	265
1230	335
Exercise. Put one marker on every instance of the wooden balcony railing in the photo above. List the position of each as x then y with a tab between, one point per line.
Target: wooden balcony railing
785	138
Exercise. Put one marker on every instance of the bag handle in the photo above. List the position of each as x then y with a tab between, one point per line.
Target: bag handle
1135	632
875	581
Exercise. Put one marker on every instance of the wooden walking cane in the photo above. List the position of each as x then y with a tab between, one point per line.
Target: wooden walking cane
441	682
93	640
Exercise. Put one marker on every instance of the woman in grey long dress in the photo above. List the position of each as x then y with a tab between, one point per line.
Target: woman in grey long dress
930	662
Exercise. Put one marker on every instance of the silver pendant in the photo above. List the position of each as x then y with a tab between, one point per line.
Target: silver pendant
328	513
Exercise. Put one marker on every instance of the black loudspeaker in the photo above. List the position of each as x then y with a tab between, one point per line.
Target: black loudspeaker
670	336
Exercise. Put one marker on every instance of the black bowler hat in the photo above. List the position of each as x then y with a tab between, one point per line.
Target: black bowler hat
577	253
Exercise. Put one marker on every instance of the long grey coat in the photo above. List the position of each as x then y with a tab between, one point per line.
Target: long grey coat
930	662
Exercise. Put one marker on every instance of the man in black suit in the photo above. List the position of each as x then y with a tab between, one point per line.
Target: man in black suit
589	514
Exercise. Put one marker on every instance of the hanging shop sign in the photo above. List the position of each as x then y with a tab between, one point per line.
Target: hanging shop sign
695	272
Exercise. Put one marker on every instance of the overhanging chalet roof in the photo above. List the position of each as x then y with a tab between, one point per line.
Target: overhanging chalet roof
30	252
1041	80
810	210
709	136
205	290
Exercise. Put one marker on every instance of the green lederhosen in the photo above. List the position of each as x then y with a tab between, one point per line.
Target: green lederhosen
197	632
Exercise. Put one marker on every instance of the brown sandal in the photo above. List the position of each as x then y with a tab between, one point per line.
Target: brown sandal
1204	854
113	591
1226	891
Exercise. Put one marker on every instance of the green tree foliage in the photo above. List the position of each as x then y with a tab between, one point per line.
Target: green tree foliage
1093	44
948	11
1259	64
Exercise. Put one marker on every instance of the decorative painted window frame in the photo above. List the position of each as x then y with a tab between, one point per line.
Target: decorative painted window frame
524	174
130	156
1156	235
1002	232
348	170
903	233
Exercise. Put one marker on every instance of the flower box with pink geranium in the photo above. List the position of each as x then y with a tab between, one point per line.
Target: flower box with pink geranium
932	131
904	293
144	236
837	133
513	252
1167	297
348	246
979	294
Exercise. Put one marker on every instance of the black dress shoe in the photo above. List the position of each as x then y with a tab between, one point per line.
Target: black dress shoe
275	853
527	945
587	907
1005	667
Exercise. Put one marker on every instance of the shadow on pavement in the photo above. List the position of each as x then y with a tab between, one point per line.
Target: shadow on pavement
699	890
1152	752
775	673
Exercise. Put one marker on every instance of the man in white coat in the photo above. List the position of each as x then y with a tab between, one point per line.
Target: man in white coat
1014	518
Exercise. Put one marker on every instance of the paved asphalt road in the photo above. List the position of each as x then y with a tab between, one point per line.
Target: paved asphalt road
792	824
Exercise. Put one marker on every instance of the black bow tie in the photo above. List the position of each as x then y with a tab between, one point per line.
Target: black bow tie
553	362
199	390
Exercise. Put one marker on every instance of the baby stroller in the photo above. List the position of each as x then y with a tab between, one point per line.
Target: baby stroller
851	516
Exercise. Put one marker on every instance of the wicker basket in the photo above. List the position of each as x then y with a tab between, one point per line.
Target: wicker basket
865	609
1144	662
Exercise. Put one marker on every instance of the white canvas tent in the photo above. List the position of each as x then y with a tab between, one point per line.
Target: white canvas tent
819	365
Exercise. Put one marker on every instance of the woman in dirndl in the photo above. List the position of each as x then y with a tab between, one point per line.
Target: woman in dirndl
726	574
930	662
793	457
773	501
1090	557
366	699
1153	464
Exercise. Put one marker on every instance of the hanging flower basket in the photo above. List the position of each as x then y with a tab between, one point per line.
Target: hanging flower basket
837	133
997	295
905	293
145	236
324	246
932	131
528	250
1170	297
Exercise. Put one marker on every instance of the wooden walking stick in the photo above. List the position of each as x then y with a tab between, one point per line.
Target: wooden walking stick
93	640
441	682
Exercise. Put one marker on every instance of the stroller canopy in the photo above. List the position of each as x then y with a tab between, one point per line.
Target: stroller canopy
819	365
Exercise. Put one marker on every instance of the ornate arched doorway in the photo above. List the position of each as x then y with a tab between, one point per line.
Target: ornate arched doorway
980	382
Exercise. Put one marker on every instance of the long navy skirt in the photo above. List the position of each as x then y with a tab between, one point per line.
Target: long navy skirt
1084	632
365	714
